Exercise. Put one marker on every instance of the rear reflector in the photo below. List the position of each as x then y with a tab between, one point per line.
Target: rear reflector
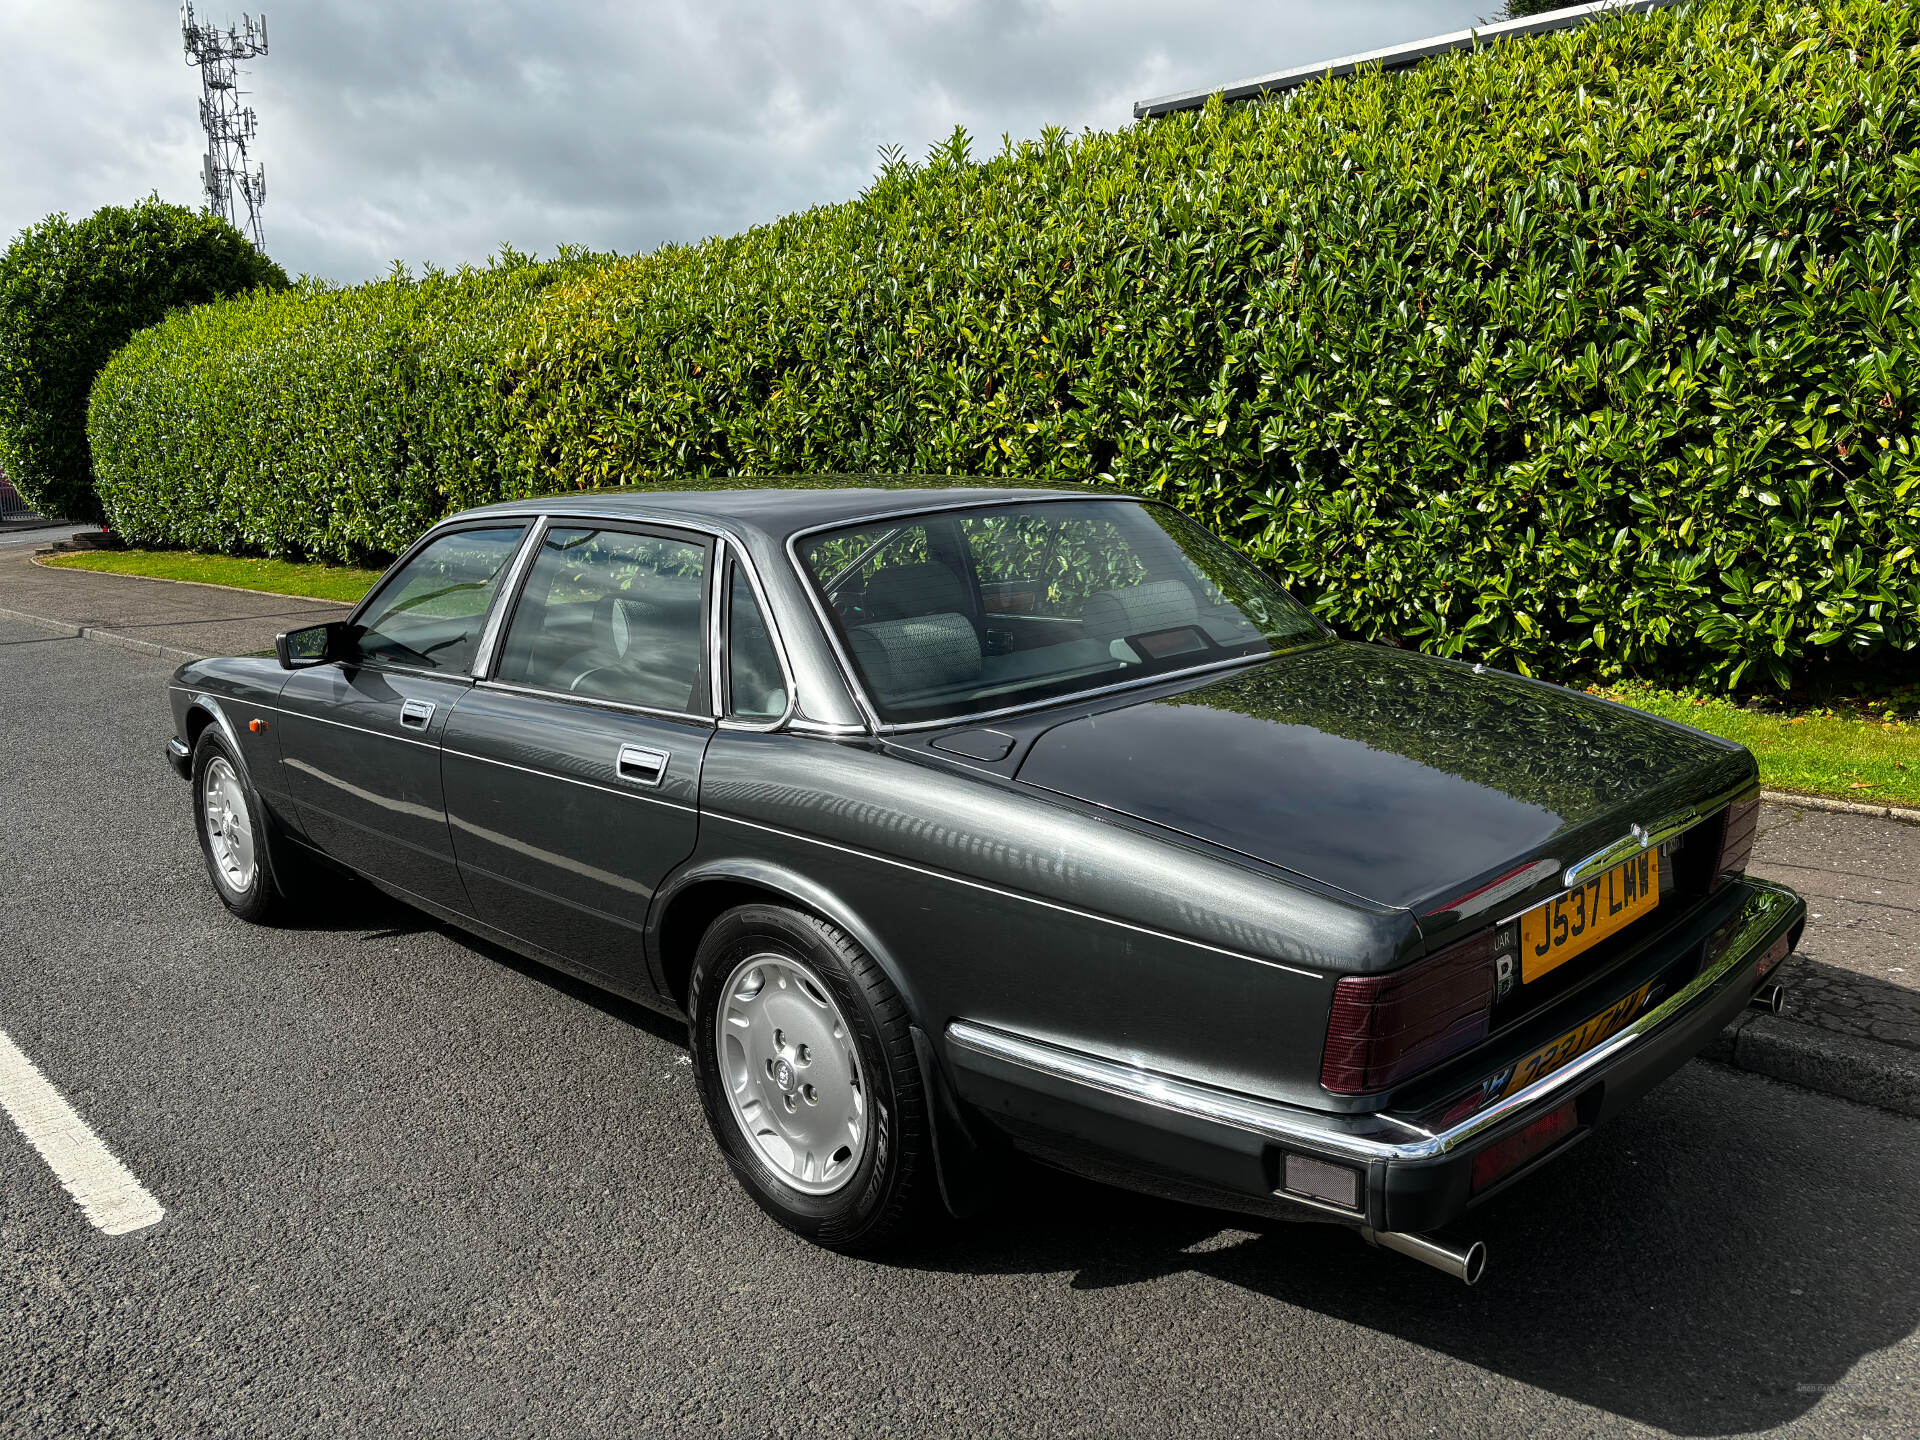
1740	825
1505	1156
1776	952
1323	1180
1383	1028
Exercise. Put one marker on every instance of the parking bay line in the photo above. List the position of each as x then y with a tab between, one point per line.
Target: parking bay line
106	1191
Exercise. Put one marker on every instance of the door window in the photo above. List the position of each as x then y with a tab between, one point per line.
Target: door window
429	613
612	615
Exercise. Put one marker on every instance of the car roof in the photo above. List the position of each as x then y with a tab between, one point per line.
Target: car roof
778	512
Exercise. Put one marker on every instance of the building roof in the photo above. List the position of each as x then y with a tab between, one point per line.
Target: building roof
1398	57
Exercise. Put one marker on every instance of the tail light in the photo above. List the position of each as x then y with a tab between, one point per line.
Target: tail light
1383	1028
1741	823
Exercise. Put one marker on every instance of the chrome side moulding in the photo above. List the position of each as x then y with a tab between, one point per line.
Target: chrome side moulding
1364	1137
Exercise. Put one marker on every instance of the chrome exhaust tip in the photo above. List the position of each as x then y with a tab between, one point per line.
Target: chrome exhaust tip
1770	998
1464	1262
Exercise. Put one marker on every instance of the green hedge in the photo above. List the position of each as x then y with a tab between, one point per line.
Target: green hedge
71	293
324	422
1588	354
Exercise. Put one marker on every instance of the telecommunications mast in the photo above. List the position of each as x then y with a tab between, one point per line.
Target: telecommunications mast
229	124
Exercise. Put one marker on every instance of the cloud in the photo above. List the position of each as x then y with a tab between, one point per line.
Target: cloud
440	129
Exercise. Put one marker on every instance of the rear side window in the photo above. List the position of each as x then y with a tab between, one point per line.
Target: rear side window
756	688
612	615
429	615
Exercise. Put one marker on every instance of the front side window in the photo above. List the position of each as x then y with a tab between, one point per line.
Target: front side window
612	615
429	613
949	614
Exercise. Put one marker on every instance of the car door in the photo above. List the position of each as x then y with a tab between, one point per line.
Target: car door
360	737
573	770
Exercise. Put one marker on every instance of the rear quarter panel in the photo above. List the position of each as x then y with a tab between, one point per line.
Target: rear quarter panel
994	905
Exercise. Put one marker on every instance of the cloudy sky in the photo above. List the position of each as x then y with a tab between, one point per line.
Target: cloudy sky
436	130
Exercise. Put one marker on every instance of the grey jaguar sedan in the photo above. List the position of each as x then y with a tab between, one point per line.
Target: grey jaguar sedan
958	823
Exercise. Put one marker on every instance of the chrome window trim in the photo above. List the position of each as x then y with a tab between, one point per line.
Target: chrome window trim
800	725
901	727
1074	910
716	651
434	533
715	549
511	687
723	643
509	595
1766	912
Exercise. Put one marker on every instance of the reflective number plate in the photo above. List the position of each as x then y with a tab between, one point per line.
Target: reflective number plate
1575	1043
1553	933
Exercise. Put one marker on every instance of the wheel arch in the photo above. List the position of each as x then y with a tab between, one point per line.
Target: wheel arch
203	710
693	899
966	1169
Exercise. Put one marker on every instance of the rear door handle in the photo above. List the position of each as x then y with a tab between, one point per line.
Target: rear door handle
640	766
416	714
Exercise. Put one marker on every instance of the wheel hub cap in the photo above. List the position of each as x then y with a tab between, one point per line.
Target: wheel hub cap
223	808
791	1073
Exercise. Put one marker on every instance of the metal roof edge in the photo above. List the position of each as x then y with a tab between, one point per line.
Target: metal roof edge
1397	57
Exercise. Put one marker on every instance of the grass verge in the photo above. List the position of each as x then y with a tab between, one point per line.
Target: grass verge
280	577
1831	752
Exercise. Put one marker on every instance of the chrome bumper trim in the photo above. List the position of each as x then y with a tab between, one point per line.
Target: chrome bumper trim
1766	912
177	748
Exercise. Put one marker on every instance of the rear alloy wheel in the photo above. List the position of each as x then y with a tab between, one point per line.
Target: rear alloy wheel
807	1072
233	830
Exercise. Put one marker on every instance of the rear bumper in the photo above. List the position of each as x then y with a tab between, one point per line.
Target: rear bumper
180	758
1156	1131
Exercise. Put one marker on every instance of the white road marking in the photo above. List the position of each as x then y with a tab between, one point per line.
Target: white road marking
107	1193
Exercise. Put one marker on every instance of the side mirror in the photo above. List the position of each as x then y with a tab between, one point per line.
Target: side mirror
315	645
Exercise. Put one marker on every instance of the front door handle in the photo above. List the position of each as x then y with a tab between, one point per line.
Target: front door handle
416	714
640	766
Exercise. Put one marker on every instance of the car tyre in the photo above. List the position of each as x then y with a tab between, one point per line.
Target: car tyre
233	828
805	1064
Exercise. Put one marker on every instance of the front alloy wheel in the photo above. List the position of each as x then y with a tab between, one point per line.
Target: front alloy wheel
232	825
229	831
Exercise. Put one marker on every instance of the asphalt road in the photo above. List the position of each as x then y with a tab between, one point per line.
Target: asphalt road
416	1187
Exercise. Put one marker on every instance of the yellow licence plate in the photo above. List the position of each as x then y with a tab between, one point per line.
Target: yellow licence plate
1553	933
1576	1042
